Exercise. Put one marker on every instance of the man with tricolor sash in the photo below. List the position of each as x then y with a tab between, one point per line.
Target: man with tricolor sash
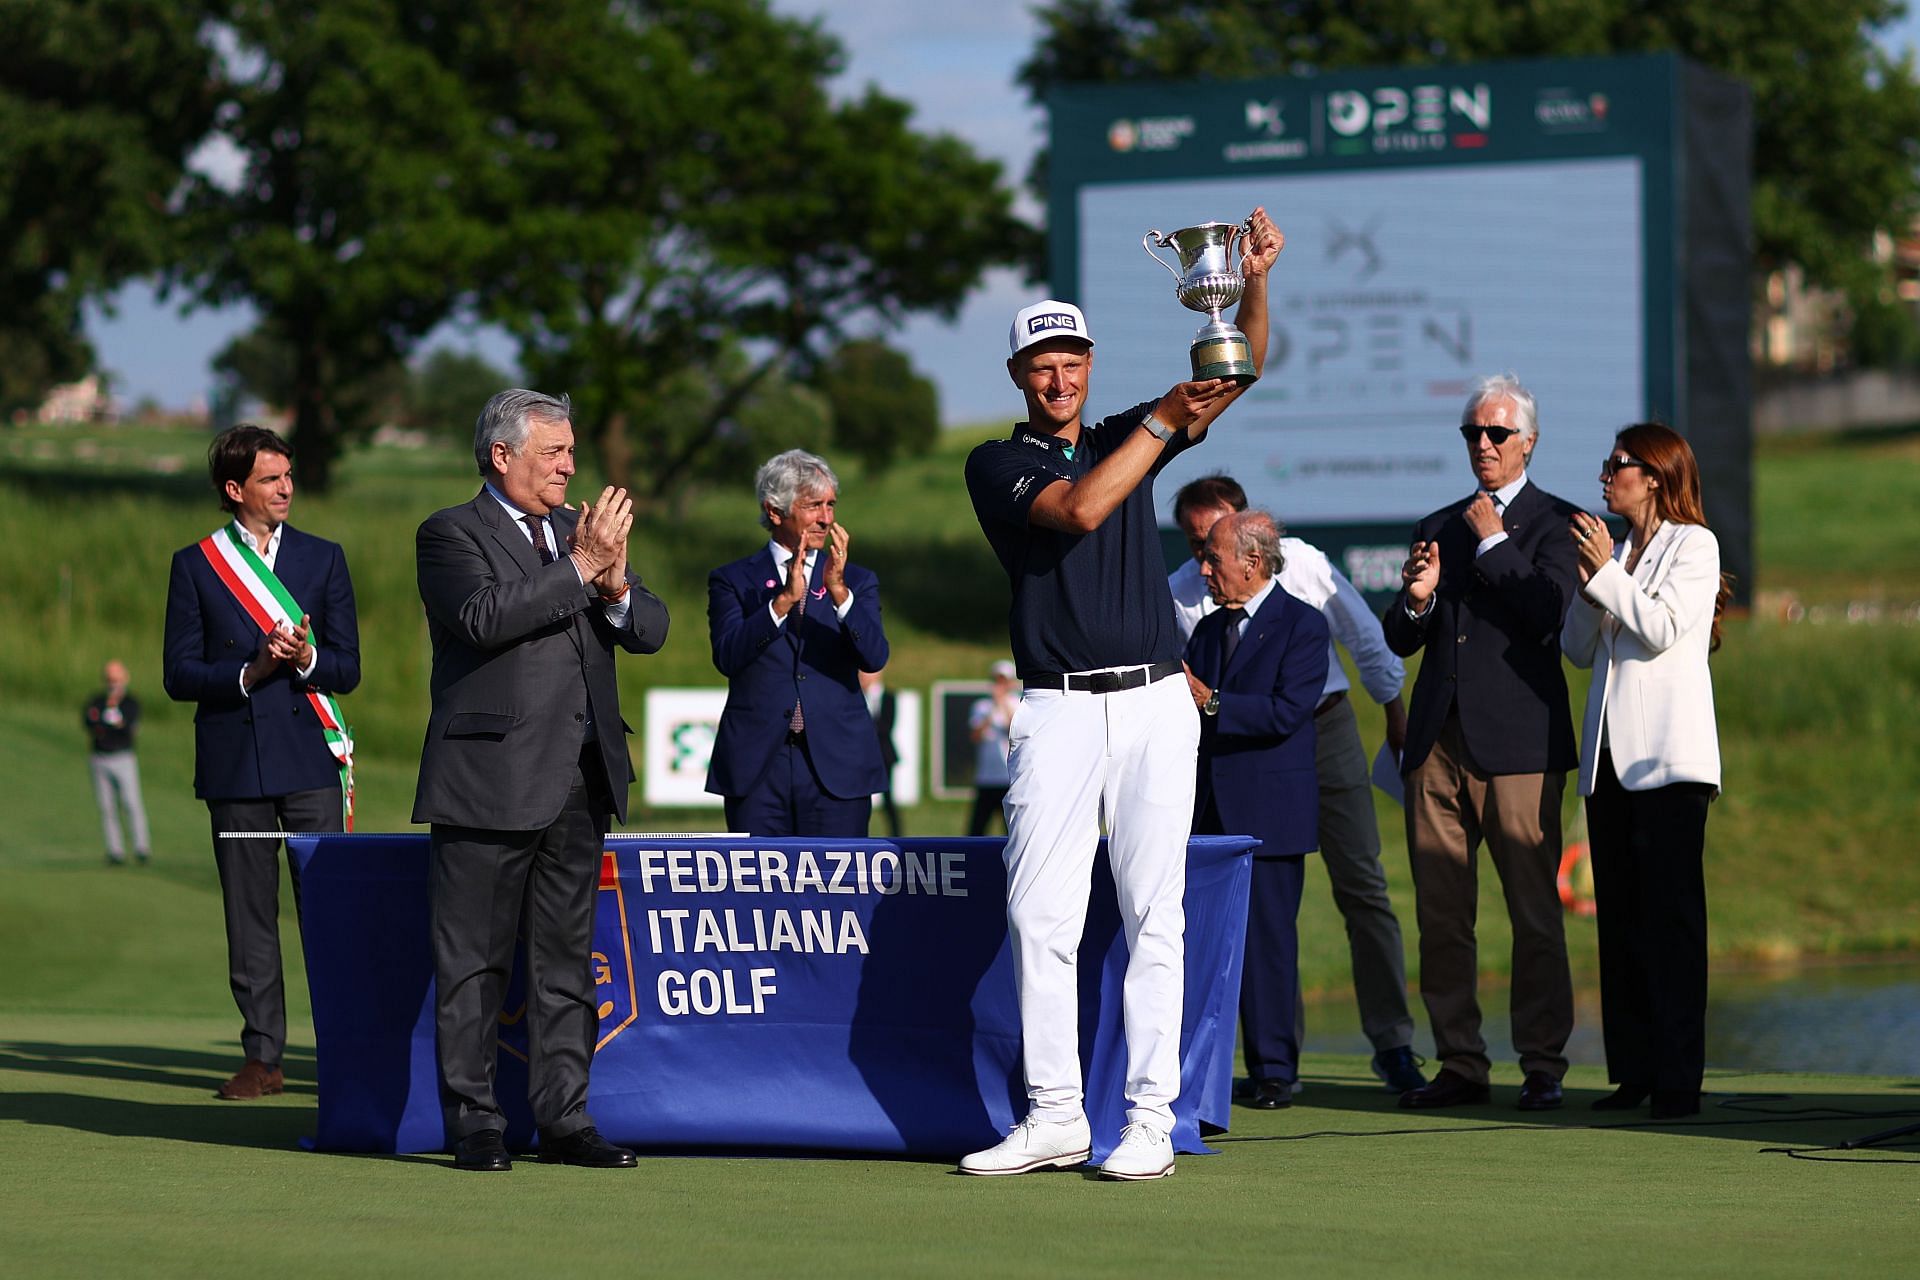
261	634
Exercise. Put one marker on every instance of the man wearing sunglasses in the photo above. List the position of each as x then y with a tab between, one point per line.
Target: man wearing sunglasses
1489	744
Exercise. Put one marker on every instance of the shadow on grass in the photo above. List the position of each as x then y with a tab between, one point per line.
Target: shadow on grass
145	1064
1736	1105
223	1124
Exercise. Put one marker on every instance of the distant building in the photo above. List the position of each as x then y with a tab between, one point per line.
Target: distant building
84	401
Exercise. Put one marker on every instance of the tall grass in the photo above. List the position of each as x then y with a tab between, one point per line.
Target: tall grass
1820	725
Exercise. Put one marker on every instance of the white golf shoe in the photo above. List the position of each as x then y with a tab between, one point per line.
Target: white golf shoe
1144	1152
1034	1144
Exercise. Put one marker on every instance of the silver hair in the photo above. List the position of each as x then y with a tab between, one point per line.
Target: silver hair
1257	533
505	421
1504	386
784	478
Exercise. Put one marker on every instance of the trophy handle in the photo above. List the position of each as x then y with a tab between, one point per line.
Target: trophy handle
1246	243
1147	241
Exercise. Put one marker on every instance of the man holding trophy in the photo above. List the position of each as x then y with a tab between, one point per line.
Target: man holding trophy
1106	724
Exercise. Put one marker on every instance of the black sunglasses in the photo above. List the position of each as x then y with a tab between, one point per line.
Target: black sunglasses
1611	464
1470	432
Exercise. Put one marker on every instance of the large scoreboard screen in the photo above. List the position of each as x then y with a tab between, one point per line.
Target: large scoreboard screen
1442	224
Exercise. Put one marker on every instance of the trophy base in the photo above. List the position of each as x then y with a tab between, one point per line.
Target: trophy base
1227	354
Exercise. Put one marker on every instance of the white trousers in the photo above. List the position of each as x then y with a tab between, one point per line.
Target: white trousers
1078	758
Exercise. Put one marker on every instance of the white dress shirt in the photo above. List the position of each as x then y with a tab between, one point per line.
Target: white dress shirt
269	556
616	610
781	559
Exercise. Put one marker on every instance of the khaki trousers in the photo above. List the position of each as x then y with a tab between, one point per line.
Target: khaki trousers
1451	807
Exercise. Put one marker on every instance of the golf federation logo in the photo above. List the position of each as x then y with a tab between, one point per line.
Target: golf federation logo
1149	133
612	966
1052	320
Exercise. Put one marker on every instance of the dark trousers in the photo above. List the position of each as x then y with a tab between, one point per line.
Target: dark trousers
1650	896
1270	1013
892	812
987	802
490	887
787	800
250	895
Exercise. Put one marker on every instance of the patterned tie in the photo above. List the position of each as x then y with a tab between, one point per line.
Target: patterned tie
1230	638
539	533
797	722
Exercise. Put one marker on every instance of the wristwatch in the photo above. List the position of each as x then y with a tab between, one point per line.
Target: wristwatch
1161	431
1212	706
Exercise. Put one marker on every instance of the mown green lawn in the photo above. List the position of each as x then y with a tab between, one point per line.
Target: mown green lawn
116	1026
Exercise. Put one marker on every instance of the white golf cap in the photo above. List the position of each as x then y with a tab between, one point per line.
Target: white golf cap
1044	321
1005	670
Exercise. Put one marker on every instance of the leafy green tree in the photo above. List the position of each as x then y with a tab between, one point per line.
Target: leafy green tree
696	201
262	365
882	409
101	101
357	224
1836	119
446	390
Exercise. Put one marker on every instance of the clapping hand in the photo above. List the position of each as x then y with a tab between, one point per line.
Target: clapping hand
1592	542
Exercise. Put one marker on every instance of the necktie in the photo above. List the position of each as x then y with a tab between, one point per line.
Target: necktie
797	722
539	538
1230	638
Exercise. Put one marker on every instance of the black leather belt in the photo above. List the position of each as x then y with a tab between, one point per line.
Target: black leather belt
1331	701
1102	681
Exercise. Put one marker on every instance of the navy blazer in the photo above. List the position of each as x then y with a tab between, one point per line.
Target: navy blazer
269	743
1256	756
1492	638
815	657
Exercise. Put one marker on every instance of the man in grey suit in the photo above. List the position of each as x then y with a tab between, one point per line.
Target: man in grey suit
524	759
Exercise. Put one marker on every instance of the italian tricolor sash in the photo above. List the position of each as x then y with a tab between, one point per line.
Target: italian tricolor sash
270	604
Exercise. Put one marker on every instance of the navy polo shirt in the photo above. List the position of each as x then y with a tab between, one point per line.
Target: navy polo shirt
1080	601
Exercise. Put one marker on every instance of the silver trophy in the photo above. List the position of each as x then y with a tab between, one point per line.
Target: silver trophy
1210	277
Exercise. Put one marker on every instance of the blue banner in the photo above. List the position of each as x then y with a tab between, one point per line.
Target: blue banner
762	995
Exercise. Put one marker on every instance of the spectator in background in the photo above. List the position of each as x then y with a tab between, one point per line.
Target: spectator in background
111	717
1646	617
1349	831
885	710
987	726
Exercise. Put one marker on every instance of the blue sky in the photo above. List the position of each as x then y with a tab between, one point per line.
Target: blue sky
954	62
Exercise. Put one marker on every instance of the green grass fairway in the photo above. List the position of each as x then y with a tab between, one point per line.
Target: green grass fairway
118	1159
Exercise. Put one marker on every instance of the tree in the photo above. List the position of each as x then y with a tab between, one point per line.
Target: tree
369	172
262	365
881	408
101	101
696	203
1836	119
446	390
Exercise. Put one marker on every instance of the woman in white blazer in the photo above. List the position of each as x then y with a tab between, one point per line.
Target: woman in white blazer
1645	619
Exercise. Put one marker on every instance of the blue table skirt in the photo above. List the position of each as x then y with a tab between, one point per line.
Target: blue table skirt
763	995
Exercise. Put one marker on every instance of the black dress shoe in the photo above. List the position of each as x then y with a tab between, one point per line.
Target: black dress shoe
587	1148
1674	1104
482	1152
1448	1089
1541	1092
1625	1098
1271	1095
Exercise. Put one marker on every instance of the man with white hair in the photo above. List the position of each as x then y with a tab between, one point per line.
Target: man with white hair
793	625
1489	744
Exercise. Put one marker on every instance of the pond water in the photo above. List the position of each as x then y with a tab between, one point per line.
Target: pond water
1855	1019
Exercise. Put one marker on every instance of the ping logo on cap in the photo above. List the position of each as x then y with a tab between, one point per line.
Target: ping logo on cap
1052	320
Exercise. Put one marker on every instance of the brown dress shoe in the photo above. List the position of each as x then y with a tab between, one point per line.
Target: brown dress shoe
254	1080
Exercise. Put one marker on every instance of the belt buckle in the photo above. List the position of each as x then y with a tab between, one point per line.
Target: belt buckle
1104	682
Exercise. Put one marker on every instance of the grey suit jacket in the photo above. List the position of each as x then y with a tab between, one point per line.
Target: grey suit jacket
512	641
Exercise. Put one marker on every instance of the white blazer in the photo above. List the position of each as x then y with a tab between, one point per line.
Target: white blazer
1647	644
